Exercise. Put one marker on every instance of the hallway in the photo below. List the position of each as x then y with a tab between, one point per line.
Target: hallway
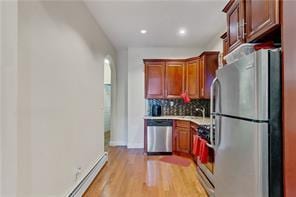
130	173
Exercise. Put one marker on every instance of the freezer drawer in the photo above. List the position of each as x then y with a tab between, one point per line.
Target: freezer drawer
244	87
241	165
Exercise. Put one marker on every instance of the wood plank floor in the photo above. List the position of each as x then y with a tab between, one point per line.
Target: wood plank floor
129	173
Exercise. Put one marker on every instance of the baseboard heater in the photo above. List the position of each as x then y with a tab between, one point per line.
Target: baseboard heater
87	180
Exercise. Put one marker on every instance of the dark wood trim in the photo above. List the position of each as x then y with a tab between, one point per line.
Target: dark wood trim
228	6
192	58
184	59
174	60
209	53
289	96
163	60
223	36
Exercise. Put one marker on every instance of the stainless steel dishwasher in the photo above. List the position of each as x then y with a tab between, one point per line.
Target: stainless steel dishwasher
159	136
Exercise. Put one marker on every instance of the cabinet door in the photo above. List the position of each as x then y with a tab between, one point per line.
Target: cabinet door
208	67
183	140
192	78
175	79
154	79
261	17
235	25
202	76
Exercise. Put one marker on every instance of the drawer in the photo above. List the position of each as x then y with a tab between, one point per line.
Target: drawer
182	123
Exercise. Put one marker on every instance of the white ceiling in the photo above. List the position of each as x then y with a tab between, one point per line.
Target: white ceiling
123	20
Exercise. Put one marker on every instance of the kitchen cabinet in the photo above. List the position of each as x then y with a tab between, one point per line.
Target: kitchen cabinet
208	67
183	140
170	78
262	16
192	78
251	20
289	96
174	79
225	46
182	137
154	79
235	23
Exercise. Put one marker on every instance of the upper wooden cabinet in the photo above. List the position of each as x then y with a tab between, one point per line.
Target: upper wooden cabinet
250	20
174	79
208	67
261	17
171	78
235	23
154	79
192	78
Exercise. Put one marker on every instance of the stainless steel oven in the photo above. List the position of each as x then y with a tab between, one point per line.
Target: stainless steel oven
206	170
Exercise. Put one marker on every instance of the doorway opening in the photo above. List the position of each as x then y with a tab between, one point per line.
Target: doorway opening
107	103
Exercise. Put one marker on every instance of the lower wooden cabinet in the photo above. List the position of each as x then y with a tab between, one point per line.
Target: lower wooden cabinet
181	142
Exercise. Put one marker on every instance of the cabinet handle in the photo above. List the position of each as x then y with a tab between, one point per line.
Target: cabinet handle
202	91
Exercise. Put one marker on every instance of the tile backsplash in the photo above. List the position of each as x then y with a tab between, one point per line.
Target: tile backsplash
177	107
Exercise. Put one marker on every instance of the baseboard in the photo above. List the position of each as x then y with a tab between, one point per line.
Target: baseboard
117	143
135	145
87	180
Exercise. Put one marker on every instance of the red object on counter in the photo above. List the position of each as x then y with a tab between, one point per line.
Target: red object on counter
203	151
196	140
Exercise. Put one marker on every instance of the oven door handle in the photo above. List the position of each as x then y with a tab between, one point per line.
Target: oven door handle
205	182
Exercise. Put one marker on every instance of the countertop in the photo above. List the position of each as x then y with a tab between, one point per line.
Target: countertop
197	120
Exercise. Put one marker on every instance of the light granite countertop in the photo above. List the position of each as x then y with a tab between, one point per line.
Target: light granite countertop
197	120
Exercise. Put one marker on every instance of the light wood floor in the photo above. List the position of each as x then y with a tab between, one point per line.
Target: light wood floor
129	173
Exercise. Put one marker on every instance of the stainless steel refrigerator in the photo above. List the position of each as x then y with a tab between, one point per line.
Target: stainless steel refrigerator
246	110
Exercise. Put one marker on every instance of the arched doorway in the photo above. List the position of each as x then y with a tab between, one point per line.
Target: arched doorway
107	102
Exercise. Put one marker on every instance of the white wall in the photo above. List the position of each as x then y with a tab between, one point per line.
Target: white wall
52	97
8	105
136	101
216	43
119	132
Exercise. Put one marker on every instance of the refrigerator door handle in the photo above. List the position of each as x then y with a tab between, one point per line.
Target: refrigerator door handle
219	121
212	112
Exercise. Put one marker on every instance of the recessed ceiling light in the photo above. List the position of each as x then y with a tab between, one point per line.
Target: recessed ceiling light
182	32
143	31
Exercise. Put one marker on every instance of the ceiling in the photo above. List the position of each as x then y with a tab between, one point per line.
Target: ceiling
123	20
